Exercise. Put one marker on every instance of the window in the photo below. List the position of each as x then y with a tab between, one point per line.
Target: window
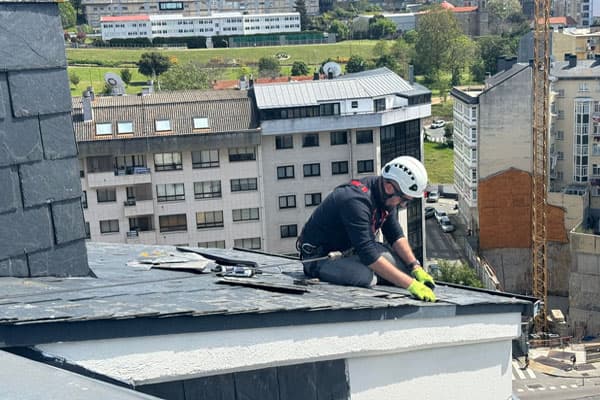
242	154
124	127
218	244
167	161
200	123
84	203
162	125
364	137
288	201
560	155
354	104
88	234
172	223
339	167
284	142
104	128
209	219
109	226
364	166
170	192
379	105
560	135
141	224
243	185
310	140
106	195
329	109
288	231
207	189
583	87
245	214
561	114
595	169
285	172
560	93
312	169
312	199
247	243
339	137
205	159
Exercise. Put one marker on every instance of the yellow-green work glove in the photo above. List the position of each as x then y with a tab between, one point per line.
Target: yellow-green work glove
422	276
421	291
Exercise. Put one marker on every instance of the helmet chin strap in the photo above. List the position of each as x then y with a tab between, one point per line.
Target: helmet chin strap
385	197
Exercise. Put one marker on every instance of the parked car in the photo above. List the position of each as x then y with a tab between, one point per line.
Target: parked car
429	212
439	214
438	123
446	225
433	197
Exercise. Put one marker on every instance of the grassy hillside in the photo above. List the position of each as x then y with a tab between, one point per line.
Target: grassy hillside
439	161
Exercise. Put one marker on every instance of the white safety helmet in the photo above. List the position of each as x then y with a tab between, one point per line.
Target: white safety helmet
409	173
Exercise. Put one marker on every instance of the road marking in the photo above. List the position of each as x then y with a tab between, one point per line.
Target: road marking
574	386
552	387
563	386
520	390
542	388
517	369
530	372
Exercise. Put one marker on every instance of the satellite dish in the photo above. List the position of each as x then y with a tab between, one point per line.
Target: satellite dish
114	81
332	69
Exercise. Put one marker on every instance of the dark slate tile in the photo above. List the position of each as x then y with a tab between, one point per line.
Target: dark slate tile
297	382
258	384
20	141
15	267
67	260
34	233
32	36
58	137
10	192
50	180
39	92
218	387
332	381
68	221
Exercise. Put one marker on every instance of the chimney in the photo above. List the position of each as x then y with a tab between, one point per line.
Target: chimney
243	83
411	74
329	74
41	218
316	76
86	106
509	62
572	60
500	63
251	82
92	94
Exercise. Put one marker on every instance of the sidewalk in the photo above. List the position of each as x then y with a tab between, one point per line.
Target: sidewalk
556	362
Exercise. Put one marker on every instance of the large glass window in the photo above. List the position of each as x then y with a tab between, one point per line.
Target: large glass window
170	192
312	169
141	223
207	189
288	231
172	223
162	125
103	128
365	136
285	172
109	226
243	184
364	166
242	154
124	127
288	201
247	243
200	123
205	159
217	244
284	142
339	167
312	199
106	195
310	140
245	214
339	137
379	105
209	219
167	161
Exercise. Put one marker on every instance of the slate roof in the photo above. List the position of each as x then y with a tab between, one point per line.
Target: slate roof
226	110
127	301
585	69
368	84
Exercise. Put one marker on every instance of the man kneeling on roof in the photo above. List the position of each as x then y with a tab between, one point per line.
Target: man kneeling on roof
348	220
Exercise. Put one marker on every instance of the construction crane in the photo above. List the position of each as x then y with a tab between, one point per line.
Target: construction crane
541	119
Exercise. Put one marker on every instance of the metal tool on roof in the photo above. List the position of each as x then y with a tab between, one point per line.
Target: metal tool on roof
239	271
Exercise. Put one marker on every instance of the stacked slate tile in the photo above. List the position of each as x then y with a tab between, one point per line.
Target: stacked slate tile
42	229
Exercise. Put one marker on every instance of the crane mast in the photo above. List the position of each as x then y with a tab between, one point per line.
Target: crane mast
540	124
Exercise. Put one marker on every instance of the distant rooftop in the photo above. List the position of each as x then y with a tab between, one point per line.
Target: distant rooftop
584	69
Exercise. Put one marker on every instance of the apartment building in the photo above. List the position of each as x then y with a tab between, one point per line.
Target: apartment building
240	168
94	10
178	25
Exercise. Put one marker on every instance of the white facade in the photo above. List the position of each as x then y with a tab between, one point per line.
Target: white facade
465	133
177	25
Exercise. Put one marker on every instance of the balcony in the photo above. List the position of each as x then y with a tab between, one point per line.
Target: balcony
141	237
135	207
120	177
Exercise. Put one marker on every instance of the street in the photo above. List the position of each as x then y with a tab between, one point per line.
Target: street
441	245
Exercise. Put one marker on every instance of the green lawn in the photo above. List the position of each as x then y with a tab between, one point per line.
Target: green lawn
439	161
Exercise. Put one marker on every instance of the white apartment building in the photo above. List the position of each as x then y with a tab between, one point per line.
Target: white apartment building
94	10
237	168
178	25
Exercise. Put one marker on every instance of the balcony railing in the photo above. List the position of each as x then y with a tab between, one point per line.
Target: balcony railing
132	171
129	202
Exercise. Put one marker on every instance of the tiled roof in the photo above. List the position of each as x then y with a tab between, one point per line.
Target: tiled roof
584	69
367	84
226	110
126	300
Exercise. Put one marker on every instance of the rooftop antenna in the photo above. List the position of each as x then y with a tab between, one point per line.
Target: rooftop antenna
117	87
332	69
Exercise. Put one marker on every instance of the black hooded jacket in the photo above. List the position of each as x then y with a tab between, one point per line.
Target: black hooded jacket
350	217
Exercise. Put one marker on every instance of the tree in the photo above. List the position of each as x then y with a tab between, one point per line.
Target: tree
356	64
381	48
299	68
403	52
410	37
381	27
187	76
126	75
300	7
340	29
456	273
268	66
436	32
153	64
68	15
74	78
387	60
490	48
500	13
462	55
